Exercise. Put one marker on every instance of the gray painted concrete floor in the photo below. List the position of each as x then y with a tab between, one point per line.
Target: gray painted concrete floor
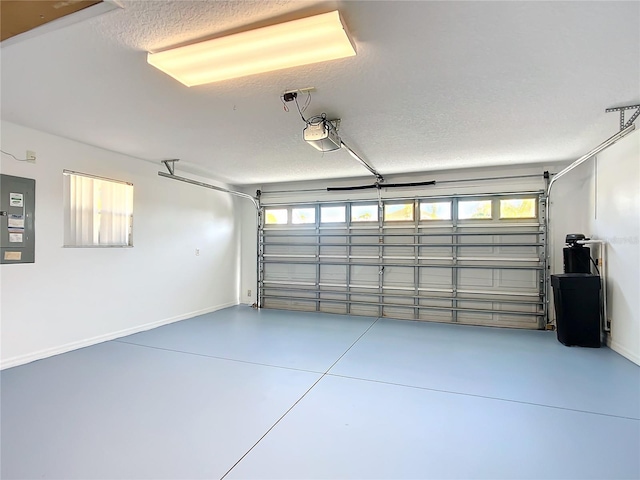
246	394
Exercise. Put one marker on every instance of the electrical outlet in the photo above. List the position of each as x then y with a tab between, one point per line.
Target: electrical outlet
31	156
197	252
248	293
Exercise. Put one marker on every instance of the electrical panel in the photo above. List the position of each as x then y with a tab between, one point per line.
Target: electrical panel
17	212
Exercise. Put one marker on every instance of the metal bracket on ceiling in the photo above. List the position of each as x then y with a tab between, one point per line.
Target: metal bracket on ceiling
624	125
171	167
373	171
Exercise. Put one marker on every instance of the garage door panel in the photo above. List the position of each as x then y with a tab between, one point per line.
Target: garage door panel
332	302
282	304
399	276
364	237
332	238
290	272
276	238
282	250
426	252
475	277
518	280
364	275
522	252
337	250
515	321
331	307
435	316
399	313
398	251
333	274
366	310
439	278
365	251
475	318
482	271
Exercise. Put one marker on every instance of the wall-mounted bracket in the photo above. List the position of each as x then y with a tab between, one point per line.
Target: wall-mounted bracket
624	125
299	90
171	167
171	175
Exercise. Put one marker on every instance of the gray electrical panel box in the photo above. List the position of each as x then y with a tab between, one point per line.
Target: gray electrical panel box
17	215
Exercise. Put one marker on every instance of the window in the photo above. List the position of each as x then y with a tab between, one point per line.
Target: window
303	215
435	210
398	212
333	214
273	216
364	213
518	208
474	209
98	211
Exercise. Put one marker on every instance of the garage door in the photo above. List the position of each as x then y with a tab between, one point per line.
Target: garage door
473	259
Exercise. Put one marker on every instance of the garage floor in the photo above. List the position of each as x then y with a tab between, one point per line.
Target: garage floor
246	394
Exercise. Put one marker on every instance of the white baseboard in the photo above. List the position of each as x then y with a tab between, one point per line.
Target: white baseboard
625	352
50	352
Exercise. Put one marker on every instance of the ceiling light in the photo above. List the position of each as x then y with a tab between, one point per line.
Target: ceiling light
299	42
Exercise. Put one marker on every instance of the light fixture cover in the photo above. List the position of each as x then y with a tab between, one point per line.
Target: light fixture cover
299	42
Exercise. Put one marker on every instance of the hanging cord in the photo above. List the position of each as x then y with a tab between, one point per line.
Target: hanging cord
284	104
16	158
595	265
302	109
318	119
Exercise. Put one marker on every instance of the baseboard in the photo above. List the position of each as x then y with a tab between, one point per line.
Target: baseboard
50	352
625	352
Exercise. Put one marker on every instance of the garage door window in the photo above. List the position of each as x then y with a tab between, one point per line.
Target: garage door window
474	209
398	212
276	216
364	213
300	216
518	208
435	210
333	214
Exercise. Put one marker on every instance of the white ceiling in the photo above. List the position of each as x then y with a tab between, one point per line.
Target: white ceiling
435	85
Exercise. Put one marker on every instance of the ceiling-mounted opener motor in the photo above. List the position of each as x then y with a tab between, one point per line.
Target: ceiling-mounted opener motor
320	132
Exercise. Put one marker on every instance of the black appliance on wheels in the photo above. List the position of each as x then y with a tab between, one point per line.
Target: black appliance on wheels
576	296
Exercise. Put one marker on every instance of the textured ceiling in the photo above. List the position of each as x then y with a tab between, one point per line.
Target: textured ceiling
435	85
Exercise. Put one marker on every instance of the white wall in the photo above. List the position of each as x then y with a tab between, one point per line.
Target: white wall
614	216
569	211
71	297
601	198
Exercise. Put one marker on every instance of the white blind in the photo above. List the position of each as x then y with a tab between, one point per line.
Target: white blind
98	212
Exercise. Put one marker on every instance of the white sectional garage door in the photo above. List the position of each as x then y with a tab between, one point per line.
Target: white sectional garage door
469	259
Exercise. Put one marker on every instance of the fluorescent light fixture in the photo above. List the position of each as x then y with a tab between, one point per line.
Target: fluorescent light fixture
291	44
